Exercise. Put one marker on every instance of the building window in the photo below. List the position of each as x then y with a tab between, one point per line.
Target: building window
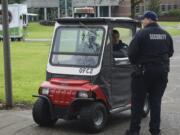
169	7
104	11
163	7
137	9
175	6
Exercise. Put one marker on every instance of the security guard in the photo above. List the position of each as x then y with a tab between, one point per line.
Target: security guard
120	49
149	51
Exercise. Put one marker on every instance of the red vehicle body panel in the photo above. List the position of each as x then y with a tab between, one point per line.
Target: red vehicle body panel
67	81
63	91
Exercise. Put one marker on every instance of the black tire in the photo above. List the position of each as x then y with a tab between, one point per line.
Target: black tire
41	113
19	39
94	117
13	39
146	108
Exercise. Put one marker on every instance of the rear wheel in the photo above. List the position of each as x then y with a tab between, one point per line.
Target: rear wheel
146	108
94	117
41	113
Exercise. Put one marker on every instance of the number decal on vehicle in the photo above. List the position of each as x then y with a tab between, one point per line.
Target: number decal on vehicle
86	70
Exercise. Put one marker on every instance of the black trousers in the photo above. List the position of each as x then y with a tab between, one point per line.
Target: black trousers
153	82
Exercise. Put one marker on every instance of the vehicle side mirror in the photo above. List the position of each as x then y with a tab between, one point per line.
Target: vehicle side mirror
121	61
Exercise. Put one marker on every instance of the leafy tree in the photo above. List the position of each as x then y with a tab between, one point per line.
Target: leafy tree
154	5
134	3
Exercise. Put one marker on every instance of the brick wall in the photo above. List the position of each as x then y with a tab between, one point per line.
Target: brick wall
124	9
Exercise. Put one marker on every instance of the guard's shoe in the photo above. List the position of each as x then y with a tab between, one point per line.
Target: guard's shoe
128	132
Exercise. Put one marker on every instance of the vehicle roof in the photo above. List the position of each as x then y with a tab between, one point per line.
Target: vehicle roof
96	20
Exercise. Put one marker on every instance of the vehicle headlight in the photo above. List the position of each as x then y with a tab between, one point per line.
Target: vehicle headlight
45	91
83	94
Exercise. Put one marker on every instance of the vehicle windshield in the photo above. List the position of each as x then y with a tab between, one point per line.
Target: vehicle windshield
77	46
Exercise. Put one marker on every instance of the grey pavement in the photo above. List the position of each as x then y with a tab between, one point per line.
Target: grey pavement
21	123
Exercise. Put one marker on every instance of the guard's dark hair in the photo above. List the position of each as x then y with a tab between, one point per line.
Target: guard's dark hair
115	32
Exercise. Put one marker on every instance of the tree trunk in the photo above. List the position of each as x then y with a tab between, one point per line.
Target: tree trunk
132	9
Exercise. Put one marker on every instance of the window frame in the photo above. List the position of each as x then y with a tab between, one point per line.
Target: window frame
99	55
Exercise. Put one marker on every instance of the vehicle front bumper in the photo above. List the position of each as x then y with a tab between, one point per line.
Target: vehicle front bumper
66	112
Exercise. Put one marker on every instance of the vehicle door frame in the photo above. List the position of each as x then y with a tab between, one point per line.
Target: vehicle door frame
133	26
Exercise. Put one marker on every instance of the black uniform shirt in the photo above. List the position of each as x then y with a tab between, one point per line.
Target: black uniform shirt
120	49
151	44
119	46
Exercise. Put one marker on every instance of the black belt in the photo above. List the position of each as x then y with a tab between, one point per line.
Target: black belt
146	66
154	64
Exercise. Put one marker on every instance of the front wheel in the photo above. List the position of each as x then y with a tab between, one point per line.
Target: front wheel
41	113
146	108
94	117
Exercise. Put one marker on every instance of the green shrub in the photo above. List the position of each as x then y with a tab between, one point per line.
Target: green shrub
174	13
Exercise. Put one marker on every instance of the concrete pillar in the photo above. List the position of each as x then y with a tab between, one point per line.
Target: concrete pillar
45	13
59	15
72	11
66	9
110	11
98	11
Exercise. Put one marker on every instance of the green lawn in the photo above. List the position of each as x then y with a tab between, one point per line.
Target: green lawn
35	30
173	24
172	27
28	69
174	32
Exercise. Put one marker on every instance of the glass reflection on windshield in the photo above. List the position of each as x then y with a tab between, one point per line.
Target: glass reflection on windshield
78	46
